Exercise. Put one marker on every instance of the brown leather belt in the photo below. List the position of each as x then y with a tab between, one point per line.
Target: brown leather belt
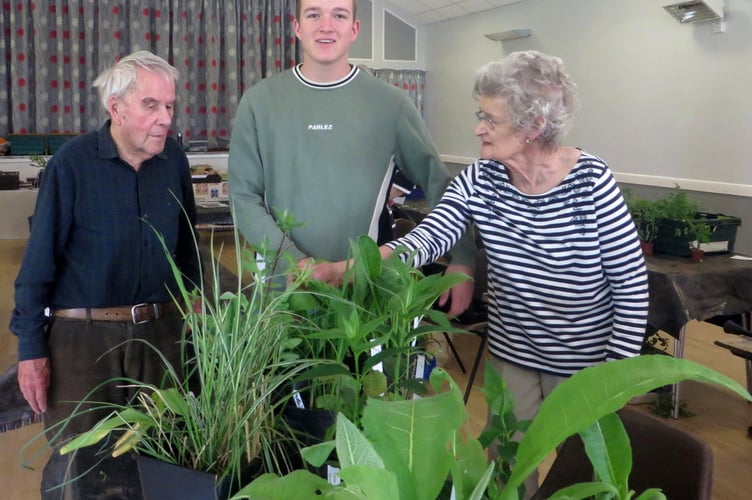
138	314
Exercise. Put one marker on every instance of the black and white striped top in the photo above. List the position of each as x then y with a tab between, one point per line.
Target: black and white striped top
566	275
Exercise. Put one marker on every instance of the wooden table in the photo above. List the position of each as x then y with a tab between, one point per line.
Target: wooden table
682	290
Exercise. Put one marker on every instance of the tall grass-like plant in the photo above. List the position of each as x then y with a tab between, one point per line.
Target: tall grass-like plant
218	413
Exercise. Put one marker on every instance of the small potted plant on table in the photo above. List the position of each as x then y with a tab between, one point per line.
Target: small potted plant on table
645	216
701	232
40	162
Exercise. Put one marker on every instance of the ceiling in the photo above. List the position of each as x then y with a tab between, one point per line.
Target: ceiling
433	11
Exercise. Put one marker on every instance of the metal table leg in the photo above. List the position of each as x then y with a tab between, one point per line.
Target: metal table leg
675	389
747	323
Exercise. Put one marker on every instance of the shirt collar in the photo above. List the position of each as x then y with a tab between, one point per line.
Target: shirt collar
354	70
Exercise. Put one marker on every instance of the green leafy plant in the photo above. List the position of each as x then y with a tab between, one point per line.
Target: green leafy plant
38	161
677	206
674	222
411	449
645	216
368	327
699	230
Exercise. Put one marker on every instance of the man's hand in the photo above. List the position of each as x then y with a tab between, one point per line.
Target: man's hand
334	272
33	380
328	272
461	294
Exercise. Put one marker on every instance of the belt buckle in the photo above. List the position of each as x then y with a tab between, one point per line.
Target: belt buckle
144	304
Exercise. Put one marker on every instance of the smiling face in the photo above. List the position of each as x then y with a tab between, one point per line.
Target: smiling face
326	29
141	119
499	140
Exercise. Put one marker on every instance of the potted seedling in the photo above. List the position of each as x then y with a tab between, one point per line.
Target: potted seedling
645	216
369	330
701	233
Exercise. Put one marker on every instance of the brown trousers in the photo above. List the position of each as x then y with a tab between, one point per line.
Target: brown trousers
87	358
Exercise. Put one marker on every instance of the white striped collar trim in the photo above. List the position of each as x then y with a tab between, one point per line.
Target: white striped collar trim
328	85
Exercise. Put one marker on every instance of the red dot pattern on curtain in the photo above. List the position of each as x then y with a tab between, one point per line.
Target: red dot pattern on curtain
55	50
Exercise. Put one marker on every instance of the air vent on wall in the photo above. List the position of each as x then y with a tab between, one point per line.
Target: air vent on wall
509	34
696	11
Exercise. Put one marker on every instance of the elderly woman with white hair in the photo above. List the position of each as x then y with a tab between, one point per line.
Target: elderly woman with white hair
567	279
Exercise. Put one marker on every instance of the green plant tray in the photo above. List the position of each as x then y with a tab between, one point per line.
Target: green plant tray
27	144
722	238
54	141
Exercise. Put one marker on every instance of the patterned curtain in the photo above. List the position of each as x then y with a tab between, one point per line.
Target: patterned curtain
51	52
410	80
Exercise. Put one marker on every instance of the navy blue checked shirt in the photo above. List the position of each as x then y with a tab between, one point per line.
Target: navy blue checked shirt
93	240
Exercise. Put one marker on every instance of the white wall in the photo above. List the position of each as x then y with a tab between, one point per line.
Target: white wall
661	101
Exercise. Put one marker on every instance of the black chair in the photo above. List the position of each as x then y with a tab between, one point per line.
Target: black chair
475	319
663	456
739	343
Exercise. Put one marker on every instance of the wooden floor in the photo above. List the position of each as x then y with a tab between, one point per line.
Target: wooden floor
719	417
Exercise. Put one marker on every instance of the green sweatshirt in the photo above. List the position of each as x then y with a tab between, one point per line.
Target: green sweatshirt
325	153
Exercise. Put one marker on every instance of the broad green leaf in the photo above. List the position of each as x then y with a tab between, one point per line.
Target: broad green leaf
585	490
468	468
317	454
133	416
373	483
652	494
591	393
303	301
100	430
352	446
479	492
174	400
298	485
374	383
608	448
412	437
88	438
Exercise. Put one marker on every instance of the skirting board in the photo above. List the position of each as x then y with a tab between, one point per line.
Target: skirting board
655	180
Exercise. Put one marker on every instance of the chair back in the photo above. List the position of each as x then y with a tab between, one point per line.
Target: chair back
663	456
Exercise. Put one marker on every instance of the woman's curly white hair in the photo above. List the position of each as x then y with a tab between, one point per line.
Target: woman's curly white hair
535	88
